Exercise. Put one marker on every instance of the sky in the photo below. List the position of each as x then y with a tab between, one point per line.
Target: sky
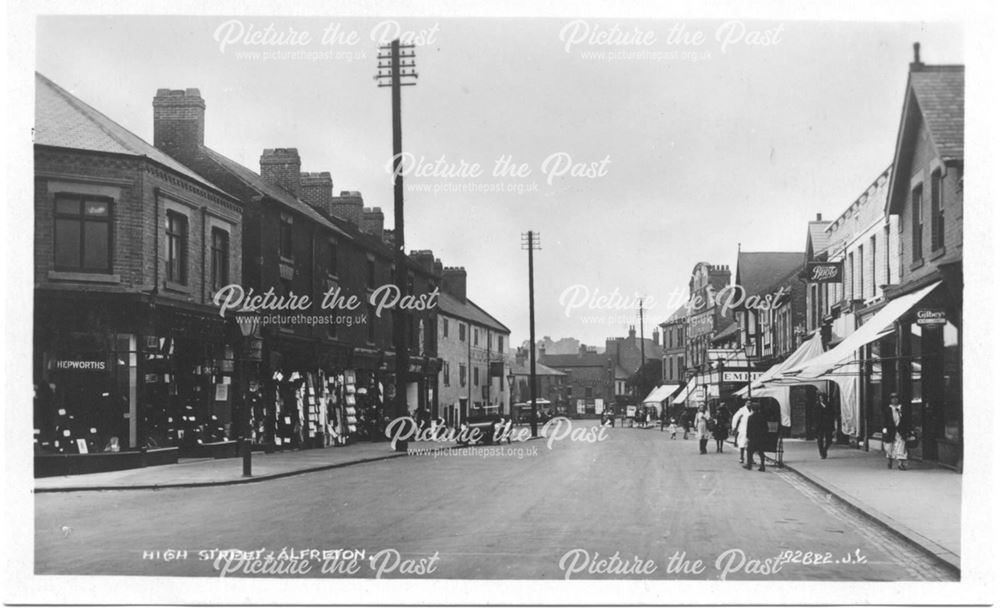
644	151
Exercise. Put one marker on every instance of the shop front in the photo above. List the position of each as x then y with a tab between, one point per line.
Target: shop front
123	382
923	362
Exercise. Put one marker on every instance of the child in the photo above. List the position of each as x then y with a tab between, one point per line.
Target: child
673	429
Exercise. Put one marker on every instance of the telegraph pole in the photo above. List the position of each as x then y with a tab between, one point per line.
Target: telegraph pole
395	63
529	242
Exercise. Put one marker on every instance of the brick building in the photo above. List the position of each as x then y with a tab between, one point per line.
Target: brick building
926	193
327	380
129	245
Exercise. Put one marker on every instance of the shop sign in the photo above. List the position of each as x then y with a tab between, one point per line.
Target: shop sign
740	376
825	271
929	317
94	365
700	324
698	395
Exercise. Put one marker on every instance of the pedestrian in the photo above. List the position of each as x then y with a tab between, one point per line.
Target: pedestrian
739	426
701	430
756	436
721	429
673	429
826	425
894	433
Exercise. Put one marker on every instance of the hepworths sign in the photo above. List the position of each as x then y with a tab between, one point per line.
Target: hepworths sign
825	271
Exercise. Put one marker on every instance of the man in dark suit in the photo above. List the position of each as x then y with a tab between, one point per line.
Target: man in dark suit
826	425
756	435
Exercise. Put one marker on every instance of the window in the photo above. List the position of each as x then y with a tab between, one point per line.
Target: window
285	237
461	375
588	392
220	258
918	223
444	326
82	234
461	332
873	264
371	273
332	263
861	272
475	336
177	240
849	282
475	376
499	343
446	373
371	324
937	212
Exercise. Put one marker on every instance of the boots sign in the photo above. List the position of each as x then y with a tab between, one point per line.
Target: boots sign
824	271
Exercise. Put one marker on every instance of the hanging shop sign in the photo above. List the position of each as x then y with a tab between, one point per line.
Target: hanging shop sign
825	271
931	317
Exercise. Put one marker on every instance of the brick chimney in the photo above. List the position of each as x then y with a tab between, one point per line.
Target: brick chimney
423	258
631	331
656	336
819	216
453	282
282	167
373	221
178	120
316	189
438	267
349	205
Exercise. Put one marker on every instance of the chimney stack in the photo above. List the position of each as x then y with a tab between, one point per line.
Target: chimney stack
916	64
819	216
178	120
373	221
316	189
423	258
282	167
349	205
453	282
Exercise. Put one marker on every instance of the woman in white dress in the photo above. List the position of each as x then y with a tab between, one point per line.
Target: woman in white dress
739	427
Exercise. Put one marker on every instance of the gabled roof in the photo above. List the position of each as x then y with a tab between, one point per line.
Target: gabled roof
524	369
566	361
274	192
469	312
677	316
65	121
758	271
940	93
935	95
817	239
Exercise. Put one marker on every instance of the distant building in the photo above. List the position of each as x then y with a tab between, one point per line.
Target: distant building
473	346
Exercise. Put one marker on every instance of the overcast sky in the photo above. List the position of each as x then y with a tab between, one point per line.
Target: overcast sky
704	145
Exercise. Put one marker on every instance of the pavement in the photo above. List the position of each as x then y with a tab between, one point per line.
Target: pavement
192	473
922	505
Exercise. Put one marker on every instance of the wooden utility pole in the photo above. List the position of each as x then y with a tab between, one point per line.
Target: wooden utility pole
529	242
395	63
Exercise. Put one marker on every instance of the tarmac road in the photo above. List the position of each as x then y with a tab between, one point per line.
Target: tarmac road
635	505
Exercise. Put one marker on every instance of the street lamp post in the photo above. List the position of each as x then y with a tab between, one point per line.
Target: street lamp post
249	325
